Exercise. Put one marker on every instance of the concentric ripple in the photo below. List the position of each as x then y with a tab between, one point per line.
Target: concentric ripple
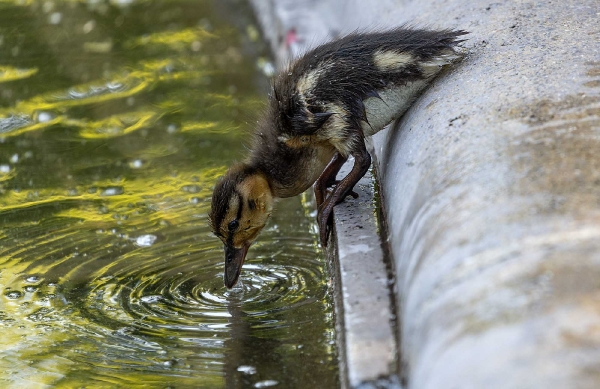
183	301
182	294
111	141
161	309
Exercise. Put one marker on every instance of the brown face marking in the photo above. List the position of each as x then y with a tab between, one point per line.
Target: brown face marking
248	210
231	215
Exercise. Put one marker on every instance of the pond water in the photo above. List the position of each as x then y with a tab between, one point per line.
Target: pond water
116	117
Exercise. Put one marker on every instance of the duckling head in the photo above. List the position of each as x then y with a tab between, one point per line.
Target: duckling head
241	204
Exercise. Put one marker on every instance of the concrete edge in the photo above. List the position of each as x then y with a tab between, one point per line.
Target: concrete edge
364	308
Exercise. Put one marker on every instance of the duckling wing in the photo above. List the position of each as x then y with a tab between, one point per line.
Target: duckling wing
334	79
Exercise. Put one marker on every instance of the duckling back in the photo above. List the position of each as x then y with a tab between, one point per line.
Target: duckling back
359	81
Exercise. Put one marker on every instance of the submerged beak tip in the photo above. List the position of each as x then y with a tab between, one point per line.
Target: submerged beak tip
228	284
234	259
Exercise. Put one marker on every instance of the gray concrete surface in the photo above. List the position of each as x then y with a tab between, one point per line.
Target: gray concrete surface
364	308
491	191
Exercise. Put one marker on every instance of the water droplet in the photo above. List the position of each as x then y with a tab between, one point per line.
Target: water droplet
145	240
89	26
13	294
4	169
191	188
14	158
136	164
55	18
151	299
33	279
112	191
43	117
247	369
265	383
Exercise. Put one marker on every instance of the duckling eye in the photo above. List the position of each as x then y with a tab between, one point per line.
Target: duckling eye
233	225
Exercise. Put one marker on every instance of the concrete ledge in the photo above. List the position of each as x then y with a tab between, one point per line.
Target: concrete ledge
364	309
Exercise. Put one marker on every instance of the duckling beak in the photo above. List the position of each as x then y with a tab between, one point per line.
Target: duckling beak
234	259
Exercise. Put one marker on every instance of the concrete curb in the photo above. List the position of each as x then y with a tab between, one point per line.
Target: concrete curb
364	308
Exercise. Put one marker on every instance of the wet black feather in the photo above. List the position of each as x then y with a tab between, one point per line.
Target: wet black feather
349	77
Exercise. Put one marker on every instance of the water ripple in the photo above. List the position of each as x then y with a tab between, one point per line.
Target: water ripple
183	295
112	140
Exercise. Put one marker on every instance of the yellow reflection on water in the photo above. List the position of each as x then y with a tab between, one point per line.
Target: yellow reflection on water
116	118
174	40
5	176
9	73
120	196
132	84
118	124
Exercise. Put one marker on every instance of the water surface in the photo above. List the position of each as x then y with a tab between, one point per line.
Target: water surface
116	117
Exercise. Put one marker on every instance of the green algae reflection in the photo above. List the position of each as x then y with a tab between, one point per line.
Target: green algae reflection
116	117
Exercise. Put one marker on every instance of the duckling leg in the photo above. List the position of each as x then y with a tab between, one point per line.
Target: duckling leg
362	162
327	178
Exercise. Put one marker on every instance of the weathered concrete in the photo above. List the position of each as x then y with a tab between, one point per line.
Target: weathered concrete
492	187
491	190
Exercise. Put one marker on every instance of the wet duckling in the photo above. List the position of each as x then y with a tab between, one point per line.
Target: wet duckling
319	112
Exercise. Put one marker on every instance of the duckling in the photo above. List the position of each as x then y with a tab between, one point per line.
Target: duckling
318	114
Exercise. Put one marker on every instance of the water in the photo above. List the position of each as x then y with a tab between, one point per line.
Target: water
115	120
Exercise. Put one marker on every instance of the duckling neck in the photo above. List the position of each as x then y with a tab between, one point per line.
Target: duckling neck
270	178
264	175
290	171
